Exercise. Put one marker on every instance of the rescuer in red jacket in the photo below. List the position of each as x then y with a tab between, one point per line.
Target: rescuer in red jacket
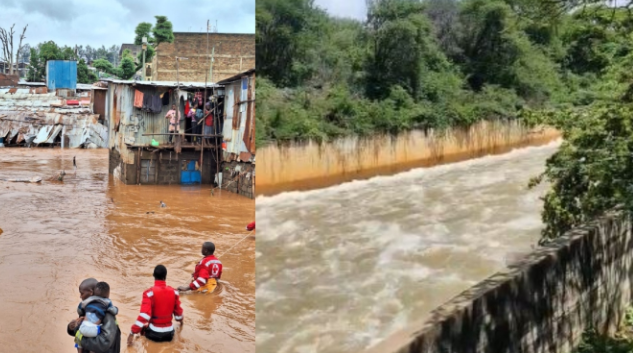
207	271
250	226
160	304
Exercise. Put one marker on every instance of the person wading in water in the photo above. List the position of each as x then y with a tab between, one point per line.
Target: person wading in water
160	303
109	340
207	272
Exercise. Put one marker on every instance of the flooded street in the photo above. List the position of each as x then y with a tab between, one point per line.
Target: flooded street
340	269
57	234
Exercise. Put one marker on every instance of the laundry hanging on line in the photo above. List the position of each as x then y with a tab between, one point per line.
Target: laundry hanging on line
152	103
138	99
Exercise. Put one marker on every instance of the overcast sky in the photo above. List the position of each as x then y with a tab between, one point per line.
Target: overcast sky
356	8
109	22
348	8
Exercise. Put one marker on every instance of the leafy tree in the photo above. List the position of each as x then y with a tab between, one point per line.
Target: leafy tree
89	53
127	68
143	29
105	66
280	37
84	75
67	53
163	31
49	51
149	54
404	52
432	64
34	74
444	15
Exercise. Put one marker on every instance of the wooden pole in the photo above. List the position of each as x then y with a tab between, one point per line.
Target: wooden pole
216	123
138	167
160	160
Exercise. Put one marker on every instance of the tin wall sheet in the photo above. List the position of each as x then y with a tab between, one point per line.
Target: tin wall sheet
43	133
234	136
51	137
134	121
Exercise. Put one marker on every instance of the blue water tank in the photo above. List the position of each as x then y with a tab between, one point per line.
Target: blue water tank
61	74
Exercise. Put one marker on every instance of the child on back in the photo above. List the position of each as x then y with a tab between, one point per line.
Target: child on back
94	308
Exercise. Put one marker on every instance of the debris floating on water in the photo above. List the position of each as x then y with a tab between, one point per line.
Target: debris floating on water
32	180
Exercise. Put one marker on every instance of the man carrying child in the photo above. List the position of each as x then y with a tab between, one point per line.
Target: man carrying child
96	329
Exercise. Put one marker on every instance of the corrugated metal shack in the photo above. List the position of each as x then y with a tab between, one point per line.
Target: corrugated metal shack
238	156
35	116
133	158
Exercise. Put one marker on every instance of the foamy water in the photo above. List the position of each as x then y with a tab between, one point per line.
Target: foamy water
339	269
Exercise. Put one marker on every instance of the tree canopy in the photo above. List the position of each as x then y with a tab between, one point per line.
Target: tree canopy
51	51
431	63
162	31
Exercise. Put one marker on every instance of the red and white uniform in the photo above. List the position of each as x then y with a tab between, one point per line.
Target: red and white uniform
209	267
160	303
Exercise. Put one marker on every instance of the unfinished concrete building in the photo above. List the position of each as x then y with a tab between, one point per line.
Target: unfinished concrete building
234	53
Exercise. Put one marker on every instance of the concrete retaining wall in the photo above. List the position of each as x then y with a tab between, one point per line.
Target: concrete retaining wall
309	165
542	304
164	169
239	181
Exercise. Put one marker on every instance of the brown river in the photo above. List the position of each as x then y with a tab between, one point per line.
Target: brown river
339	269
54	235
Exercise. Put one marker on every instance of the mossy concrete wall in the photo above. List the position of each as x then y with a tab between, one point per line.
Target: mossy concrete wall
541	304
309	165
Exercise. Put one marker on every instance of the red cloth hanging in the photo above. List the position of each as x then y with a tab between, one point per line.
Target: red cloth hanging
187	108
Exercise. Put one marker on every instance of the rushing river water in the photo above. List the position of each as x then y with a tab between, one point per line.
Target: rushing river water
341	268
57	234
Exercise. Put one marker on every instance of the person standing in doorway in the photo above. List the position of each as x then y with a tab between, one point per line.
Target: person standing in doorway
195	127
160	304
208	119
174	121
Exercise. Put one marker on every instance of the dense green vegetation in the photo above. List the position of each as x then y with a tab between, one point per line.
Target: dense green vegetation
431	64
161	32
591	172
105	60
51	51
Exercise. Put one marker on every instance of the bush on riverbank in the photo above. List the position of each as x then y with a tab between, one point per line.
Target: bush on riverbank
621	342
429	64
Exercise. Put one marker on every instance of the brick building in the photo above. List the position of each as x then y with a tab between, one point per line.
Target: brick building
234	53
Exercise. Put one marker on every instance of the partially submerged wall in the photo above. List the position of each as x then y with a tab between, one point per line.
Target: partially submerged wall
302	166
159	167
542	304
239	177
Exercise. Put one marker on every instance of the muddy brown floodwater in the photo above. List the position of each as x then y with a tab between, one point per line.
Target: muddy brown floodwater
57	234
